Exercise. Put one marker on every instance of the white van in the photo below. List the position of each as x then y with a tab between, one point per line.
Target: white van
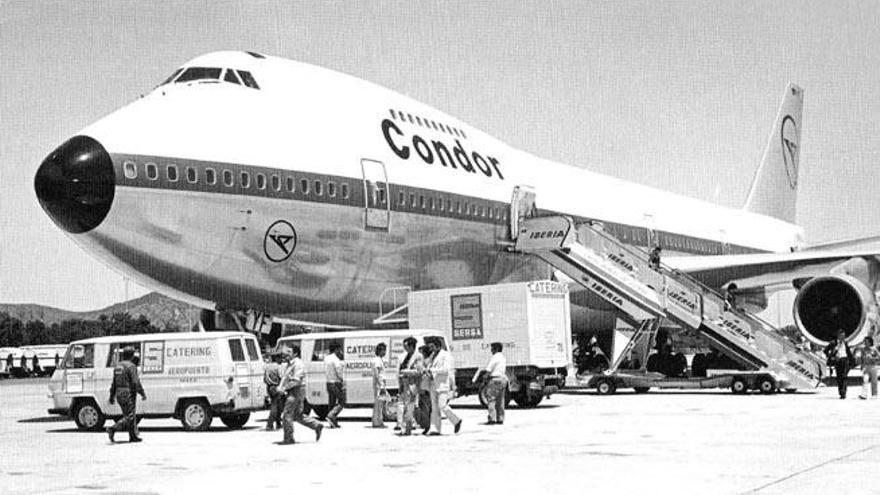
359	348
190	376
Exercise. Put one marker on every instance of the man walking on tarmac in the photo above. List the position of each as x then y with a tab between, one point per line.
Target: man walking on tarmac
334	369
496	387
440	371
293	385
380	393
123	388
272	378
409	378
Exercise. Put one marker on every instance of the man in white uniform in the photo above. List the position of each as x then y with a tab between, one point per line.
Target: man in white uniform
440	371
293	385
496	387
380	394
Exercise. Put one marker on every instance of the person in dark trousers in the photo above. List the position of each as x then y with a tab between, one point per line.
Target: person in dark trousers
293	386
334	372
35	366
10	363
272	378
23	362
840	357
123	388
423	416
409	378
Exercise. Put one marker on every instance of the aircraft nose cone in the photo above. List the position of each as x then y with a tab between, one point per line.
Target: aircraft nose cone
75	184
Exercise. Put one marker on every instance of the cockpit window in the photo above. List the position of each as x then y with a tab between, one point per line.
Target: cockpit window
248	79
231	77
171	77
199	73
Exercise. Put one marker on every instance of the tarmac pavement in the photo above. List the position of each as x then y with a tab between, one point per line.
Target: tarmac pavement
576	442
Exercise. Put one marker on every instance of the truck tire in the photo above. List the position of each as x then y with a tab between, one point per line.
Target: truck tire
739	386
641	390
321	411
235	421
527	400
605	387
766	385
88	416
195	415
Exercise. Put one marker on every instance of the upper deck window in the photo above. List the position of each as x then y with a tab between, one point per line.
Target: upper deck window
199	73
248	79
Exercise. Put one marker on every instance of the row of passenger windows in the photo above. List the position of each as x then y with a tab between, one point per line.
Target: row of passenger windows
430	124
260	180
447	205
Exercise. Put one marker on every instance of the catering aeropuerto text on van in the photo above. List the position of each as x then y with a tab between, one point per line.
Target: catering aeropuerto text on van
359	347
190	376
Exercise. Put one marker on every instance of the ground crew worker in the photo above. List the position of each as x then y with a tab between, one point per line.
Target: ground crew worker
123	388
409	378
840	357
424	407
10	363
495	374
35	366
334	370
23	362
870	358
380	393
272	378
440	370
293	386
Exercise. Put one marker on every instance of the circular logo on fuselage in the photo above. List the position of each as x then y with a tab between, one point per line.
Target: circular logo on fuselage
790	143
279	241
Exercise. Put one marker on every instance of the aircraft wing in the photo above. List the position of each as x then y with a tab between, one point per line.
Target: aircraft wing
767	269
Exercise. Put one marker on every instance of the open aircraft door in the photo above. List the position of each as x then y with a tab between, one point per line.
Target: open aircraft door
377	213
522	205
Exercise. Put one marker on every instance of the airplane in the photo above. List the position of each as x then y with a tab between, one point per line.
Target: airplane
251	182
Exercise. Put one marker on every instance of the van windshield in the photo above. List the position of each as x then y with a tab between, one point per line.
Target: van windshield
79	356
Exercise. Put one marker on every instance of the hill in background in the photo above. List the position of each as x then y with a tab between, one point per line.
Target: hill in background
163	312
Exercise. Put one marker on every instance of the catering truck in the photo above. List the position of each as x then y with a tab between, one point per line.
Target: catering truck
531	319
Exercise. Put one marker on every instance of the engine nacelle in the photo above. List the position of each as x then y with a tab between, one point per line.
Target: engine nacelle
827	304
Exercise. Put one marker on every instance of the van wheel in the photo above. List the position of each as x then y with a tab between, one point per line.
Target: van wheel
235	421
88	416
195	415
321	411
527	400
389	412
766	385
739	386
605	387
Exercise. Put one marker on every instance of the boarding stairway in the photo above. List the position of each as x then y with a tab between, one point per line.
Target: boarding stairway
623	276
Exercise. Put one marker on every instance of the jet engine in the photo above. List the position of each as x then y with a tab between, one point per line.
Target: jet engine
830	303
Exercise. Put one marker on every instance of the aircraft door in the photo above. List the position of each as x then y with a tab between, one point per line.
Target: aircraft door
522	205
377	207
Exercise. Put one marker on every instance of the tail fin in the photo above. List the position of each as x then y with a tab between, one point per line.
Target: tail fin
774	189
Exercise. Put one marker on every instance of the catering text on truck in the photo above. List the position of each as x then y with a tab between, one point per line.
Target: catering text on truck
531	319
359	349
188	376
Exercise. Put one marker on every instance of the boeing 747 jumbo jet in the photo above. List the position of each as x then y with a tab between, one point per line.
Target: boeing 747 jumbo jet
250	182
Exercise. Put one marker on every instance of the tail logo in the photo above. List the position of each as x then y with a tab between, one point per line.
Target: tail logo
789	135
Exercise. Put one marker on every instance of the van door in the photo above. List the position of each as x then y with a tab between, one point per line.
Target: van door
255	377
359	354
241	372
377	205
104	377
316	378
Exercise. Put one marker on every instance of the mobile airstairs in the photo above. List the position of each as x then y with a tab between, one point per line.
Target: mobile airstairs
646	295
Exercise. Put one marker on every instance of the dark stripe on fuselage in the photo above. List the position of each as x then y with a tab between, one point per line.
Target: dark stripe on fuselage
349	191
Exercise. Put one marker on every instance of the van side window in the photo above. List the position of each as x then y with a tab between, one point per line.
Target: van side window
322	348
115	354
80	356
251	345
236	350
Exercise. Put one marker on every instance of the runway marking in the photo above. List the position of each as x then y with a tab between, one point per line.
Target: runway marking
811	468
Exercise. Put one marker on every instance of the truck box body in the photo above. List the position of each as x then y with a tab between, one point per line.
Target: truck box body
531	319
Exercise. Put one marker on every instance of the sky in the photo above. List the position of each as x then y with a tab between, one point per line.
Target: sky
677	95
